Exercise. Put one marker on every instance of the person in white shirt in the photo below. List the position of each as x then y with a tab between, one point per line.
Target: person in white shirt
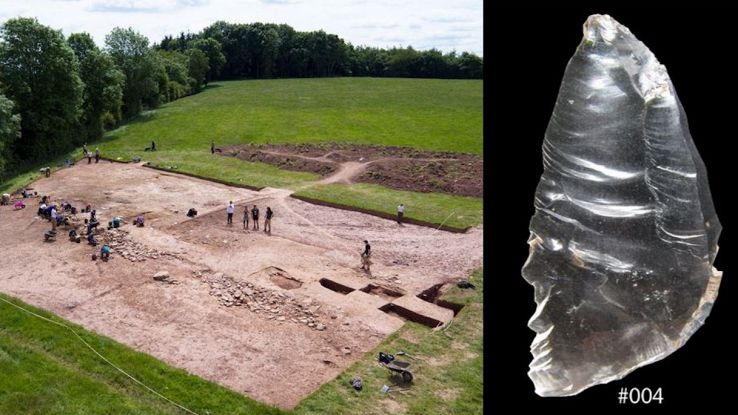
229	211
400	213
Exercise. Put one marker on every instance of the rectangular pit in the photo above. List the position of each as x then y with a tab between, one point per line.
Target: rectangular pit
382	292
334	286
405	314
431	295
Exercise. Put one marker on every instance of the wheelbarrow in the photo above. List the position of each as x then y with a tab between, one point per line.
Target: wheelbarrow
403	368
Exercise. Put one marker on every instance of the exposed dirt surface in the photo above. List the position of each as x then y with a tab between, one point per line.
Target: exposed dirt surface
395	167
239	307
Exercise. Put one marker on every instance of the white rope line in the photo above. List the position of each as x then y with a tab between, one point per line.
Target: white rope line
101	356
444	221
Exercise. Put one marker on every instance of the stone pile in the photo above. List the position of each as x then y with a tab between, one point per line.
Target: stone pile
123	245
272	304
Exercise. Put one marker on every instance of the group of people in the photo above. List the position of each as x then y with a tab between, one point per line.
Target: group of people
254	214
88	154
48	210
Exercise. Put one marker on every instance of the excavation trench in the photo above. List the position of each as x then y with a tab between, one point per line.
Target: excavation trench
409	315
432	295
334	286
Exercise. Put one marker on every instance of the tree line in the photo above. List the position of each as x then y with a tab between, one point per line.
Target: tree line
58	93
266	50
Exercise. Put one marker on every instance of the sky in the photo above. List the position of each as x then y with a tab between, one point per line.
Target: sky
445	25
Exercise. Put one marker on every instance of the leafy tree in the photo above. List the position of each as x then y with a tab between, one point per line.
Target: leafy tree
470	66
103	90
9	132
39	72
143	71
213	50
198	68
160	77
178	82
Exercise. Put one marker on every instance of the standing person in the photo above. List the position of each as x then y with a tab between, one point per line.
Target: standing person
229	211
153	146
89	157
400	213
246	217
84	150
365	256
255	217
268	221
97	154
212	147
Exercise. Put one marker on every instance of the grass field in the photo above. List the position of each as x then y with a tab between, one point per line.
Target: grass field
432	114
456	211
230	169
47	370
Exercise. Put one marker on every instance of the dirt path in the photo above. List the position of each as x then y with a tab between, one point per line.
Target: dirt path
347	172
394	167
289	333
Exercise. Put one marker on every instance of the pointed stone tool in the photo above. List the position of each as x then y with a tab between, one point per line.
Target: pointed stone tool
624	233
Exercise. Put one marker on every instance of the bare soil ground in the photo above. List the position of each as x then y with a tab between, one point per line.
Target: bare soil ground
242	308
396	167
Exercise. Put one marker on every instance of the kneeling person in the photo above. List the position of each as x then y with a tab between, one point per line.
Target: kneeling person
105	252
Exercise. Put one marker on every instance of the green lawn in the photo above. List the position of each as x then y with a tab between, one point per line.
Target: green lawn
229	169
432	114
447	364
47	370
456	211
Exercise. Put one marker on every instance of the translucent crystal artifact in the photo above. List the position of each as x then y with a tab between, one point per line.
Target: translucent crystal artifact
624	233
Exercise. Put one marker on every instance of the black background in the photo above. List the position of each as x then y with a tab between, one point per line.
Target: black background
526	52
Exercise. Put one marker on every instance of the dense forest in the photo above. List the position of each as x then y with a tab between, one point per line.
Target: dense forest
58	93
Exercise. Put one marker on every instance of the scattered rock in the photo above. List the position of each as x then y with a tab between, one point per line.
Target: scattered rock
320	327
161	276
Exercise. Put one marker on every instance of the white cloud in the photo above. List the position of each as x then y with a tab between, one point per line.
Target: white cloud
444	25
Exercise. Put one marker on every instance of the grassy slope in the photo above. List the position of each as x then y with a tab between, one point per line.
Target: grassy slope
444	115
447	365
47	370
